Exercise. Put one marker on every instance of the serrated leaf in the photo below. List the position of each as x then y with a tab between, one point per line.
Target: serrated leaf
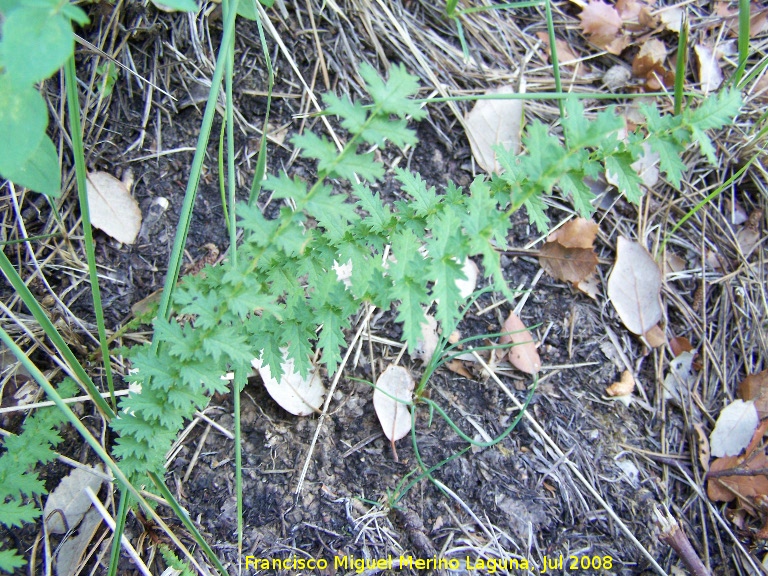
351	163
705	144
284	186
425	199
572	183
393	96
619	172
580	132
9	560
379	217
669	157
715	112
353	115
391	397
14	513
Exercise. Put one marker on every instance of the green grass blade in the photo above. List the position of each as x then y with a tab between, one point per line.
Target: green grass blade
743	41
261	162
174	263
553	54
78	372
76	132
682	60
122	513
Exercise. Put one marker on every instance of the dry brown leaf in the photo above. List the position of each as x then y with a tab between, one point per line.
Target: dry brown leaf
755	387
748	235
523	354
457	366
703	443
634	287
492	123
680	344
671	18
758	22
590	286
299	395
471	272
673	263
710	75
602	23
617	77
655	337
623	387
568	253
747	487
393	393
650	59
565	54
112	208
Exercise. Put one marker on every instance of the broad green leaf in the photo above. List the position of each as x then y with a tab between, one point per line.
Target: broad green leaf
36	42
379	217
75	13
425	199
353	115
178	5
284	186
584	133
705	144
535	207
23	118
247	9
14	513
669	157
351	164
40	172
573	183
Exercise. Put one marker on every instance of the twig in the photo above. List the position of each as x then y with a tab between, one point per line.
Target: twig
674	536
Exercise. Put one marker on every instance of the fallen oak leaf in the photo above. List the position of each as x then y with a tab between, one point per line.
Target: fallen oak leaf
523	354
734	428
391	398
624	387
634	287
743	476
112	208
301	396
755	387
493	123
602	23
568	253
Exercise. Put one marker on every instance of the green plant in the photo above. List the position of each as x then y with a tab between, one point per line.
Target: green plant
278	293
19	484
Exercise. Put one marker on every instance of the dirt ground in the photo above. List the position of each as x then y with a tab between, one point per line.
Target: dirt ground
581	474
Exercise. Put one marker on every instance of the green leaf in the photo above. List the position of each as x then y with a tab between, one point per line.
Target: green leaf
333	213
669	157
379	217
36	42
545	153
393	96
9	560
584	133
40	172
317	147
75	13
381	129
620	167
179	5
284	186
14	513
535	207
715	112
425	199
23	118
353	115
351	163
573	183
705	144
247	9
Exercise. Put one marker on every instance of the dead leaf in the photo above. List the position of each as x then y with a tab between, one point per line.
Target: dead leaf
492	123
565	54
680	378
602	23
674	263
748	235
590	286
703	443
471	272
734	429
393	393
68	503
634	287
647	167
425	348
755	387
680	344
747	486
617	77
294	393
457	366
655	337
568	253
112	208
650	59
523	354
70	552
624	387
710	75
671	18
